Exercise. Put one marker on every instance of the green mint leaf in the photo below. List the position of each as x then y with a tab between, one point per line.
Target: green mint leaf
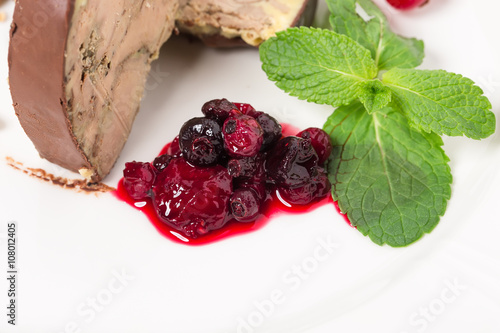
392	181
441	102
375	95
387	48
317	65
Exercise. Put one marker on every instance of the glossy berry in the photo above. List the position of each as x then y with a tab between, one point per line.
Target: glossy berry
243	136
301	195
193	199
218	109
271	128
242	167
258	186
247	109
245	205
317	188
323	185
291	162
138	178
200	140
320	141
257	181
407	4
161	162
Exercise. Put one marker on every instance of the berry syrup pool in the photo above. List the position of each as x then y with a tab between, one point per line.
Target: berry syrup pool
273	208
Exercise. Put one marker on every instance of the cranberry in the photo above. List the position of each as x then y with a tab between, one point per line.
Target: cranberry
271	127
321	142
247	109
245	204
161	162
193	200
200	140
243	136
407	4
138	178
218	109
291	162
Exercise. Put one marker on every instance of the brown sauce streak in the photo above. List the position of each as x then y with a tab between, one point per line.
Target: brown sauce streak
78	185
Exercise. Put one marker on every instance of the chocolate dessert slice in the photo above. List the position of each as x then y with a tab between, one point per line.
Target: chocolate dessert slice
78	67
77	74
227	23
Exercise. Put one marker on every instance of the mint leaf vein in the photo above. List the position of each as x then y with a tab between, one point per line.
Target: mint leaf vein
317	65
441	102
388	49
388	170
392	181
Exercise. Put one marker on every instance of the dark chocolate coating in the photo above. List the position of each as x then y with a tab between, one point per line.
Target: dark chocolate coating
36	75
77	75
38	45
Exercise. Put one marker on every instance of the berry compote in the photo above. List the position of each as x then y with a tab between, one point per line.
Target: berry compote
228	170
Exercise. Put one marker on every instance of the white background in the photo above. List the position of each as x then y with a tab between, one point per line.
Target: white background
72	245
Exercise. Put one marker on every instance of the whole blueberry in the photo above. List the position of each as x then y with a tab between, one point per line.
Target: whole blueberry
218	109
291	162
200	140
320	140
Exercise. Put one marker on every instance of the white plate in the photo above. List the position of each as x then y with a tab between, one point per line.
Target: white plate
72	247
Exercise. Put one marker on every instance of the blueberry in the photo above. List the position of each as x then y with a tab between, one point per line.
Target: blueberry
317	188
218	109
245	205
301	195
320	140
291	162
161	162
200	140
258	186
271	128
242	167
323	185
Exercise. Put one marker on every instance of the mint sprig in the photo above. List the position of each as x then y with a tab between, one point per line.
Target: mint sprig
441	102
392	181
333	74
388	49
388	170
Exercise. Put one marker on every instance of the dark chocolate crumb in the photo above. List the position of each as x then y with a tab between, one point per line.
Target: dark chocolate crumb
79	185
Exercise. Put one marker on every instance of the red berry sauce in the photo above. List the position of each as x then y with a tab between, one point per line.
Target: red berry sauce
273	207
227	173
